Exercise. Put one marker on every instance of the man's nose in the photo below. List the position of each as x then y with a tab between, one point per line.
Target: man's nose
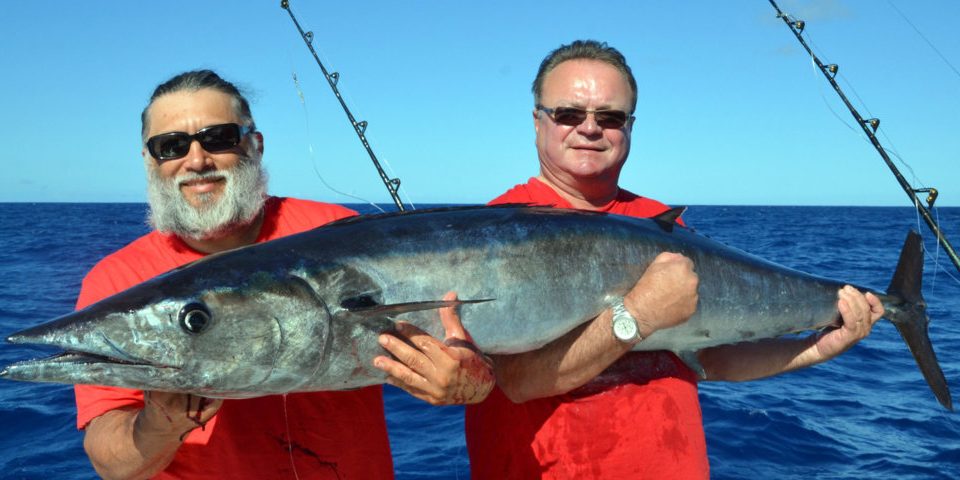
197	158
589	125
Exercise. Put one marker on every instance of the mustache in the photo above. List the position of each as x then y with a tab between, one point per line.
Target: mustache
194	176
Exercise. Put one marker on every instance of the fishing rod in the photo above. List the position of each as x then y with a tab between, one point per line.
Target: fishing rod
392	184
869	127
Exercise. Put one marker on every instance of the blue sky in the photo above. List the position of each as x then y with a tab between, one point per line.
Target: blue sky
730	110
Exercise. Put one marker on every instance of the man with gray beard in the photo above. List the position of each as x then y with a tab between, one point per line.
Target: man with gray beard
243	198
207	194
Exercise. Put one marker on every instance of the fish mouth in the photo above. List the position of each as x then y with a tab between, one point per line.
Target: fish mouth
82	358
74	367
104	354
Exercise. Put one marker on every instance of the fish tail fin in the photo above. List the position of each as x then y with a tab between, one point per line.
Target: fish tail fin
907	310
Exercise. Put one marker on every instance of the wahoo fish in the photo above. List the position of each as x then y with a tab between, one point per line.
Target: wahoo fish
303	313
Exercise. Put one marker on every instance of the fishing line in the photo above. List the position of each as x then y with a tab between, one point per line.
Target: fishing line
286	421
310	150
869	127
863	104
883	131
815	72
392	184
916	201
935	259
386	162
936	256
313	159
924	37
350	100
859	133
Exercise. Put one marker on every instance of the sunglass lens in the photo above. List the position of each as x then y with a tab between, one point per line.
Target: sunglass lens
611	118
569	116
169	147
220	137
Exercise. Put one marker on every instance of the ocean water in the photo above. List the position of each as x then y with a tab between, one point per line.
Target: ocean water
867	414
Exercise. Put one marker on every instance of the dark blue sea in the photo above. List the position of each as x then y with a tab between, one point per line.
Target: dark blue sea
867	414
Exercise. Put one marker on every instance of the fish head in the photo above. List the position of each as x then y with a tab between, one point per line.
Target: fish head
262	337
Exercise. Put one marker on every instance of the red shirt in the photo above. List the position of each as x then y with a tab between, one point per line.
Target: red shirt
324	435
640	418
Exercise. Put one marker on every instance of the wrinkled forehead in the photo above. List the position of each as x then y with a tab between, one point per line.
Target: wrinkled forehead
190	110
584	82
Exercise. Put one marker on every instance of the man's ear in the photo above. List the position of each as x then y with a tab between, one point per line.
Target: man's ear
259	142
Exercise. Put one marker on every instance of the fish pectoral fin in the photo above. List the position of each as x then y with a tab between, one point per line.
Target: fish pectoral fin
692	361
399	308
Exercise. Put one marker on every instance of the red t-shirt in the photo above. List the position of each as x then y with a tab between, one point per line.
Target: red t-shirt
640	418
338	435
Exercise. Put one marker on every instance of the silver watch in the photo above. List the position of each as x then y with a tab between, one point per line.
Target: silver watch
625	327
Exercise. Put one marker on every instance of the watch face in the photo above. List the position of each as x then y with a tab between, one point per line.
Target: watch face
624	328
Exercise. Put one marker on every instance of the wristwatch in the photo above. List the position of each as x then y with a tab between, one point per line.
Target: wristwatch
625	327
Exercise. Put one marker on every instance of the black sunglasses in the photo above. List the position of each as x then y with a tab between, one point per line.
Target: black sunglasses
215	138
573	116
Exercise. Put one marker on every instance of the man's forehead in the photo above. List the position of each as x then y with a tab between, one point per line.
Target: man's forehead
192	106
585	80
204	98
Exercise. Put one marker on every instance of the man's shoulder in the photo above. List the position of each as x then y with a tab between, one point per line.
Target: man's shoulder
304	204
140	260
629	203
286	216
286	206
531	192
146	246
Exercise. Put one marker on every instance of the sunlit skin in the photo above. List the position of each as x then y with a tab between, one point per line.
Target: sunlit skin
583	162
190	111
440	373
187	111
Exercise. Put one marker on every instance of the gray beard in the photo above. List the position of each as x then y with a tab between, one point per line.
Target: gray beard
242	199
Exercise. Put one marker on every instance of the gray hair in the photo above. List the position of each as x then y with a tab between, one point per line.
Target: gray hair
197	80
584	50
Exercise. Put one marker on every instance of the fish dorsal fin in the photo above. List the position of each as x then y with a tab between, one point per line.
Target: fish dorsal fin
668	219
377	310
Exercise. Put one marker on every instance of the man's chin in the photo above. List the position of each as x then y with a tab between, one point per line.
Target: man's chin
220	232
209	207
201	200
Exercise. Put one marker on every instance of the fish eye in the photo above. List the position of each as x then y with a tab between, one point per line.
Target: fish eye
195	318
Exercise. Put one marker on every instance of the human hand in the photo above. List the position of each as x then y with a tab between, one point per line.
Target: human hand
859	313
665	295
167	413
440	373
